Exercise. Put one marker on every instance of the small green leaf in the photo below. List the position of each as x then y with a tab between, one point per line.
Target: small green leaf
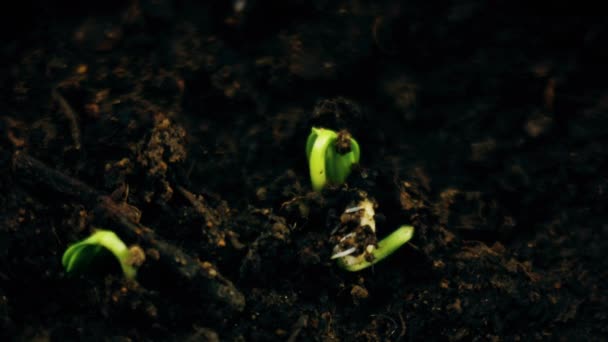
325	163
356	151
67	255
70	257
310	142
318	157
79	256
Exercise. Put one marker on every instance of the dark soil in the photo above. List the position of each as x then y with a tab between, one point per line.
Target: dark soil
181	126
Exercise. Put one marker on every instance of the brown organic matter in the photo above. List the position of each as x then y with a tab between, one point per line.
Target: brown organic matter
181	126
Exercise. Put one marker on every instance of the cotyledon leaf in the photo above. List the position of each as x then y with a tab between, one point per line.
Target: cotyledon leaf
317	159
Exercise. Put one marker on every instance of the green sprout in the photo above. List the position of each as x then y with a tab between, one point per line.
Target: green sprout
79	255
330	156
386	247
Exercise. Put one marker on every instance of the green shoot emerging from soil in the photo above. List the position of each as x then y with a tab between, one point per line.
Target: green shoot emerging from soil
330	156
79	255
386	247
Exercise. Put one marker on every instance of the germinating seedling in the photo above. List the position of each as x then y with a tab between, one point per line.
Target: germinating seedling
354	252
79	255
386	247
328	162
331	157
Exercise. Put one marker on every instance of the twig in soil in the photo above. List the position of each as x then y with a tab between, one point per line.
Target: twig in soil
200	278
211	220
33	172
71	115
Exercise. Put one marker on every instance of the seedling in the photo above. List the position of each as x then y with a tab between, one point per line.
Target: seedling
386	247
356	246
331	156
79	255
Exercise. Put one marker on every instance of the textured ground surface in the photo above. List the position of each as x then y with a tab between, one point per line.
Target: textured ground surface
482	124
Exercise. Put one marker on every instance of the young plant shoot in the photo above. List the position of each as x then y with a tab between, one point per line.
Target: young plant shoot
79	255
386	247
330	156
356	248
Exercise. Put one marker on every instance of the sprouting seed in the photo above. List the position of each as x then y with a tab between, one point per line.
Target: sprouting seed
79	255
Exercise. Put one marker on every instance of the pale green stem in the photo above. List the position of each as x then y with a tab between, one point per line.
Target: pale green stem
317	159
386	247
